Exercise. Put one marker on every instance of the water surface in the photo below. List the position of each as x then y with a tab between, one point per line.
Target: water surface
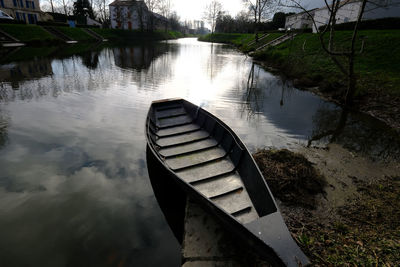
74	188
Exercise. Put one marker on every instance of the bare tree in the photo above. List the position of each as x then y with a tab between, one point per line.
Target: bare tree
51	2
152	6
164	7
141	12
344	55
211	13
259	9
64	5
101	8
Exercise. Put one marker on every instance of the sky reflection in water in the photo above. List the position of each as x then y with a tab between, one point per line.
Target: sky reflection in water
74	188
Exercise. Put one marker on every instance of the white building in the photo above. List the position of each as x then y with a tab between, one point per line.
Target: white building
348	12
300	21
134	15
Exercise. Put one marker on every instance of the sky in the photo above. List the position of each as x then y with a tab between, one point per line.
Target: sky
194	9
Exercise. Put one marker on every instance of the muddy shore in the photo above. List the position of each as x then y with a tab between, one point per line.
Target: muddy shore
355	219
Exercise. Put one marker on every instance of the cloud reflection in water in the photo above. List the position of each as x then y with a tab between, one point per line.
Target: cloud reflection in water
74	189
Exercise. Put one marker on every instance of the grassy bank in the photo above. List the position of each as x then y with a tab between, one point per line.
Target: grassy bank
377	65
28	33
76	34
36	35
377	68
304	61
246	42
125	35
237	39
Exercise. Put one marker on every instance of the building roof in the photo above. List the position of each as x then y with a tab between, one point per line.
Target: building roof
342	3
159	17
127	3
301	13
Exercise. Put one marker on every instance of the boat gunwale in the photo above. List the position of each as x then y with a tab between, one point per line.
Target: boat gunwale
242	231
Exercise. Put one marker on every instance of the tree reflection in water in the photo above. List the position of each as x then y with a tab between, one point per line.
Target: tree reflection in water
257	88
253	99
4	121
356	132
91	59
326	119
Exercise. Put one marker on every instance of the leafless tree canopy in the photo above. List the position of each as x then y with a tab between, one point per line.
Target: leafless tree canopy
211	13
342	56
260	9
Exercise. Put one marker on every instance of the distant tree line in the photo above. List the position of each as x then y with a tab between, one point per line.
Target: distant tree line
243	23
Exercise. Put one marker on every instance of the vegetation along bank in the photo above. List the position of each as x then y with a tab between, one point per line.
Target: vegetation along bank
336	204
37	35
302	59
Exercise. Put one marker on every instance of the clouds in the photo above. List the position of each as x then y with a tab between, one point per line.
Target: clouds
192	9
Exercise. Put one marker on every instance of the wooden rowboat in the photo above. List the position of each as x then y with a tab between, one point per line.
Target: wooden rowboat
213	166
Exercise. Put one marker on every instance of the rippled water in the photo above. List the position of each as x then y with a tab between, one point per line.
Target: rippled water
74	188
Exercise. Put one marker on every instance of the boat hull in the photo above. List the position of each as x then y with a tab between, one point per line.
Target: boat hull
169	129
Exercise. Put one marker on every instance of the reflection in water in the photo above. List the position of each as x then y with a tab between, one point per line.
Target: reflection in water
139	57
323	120
74	189
91	59
254	93
14	73
3	129
356	132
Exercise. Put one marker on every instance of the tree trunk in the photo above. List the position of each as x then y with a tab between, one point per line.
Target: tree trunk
351	83
65	8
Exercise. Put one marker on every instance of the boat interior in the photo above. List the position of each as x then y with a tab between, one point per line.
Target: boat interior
202	151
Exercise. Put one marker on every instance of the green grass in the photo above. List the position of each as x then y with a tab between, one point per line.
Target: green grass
127	35
270	37
242	40
238	39
36	34
27	33
377	66
76	34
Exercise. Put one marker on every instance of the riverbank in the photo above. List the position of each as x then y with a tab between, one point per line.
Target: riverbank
348	222
34	35
303	61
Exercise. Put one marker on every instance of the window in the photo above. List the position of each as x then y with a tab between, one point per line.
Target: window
21	2
346	19
30	19
33	5
17	15
2	3
15	2
27	3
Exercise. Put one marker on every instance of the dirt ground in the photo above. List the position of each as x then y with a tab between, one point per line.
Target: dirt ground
355	220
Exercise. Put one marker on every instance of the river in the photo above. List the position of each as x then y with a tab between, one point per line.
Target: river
74	188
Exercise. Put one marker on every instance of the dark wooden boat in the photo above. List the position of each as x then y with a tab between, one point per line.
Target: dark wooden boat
213	166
